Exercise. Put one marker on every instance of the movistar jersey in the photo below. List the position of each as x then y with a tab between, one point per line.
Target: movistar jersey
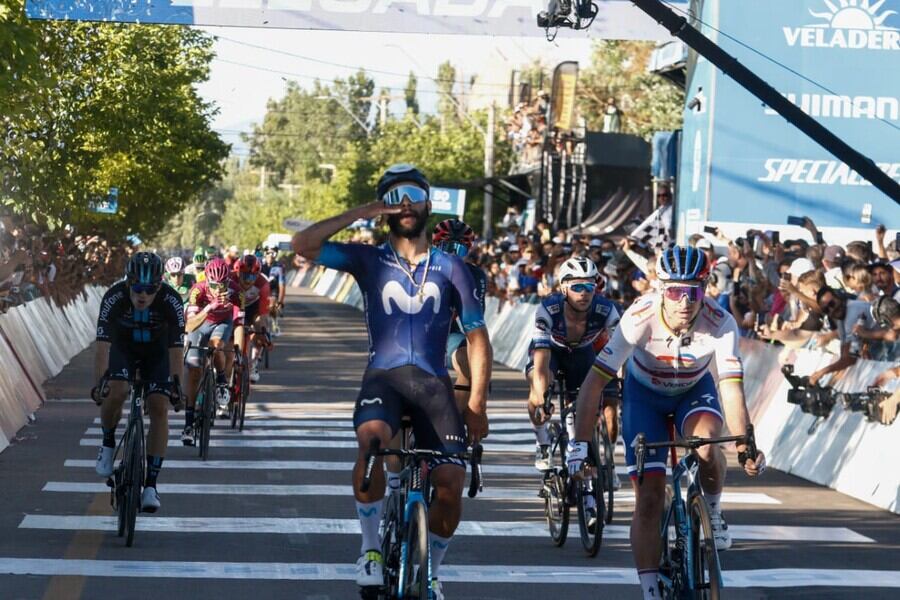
480	279
408	322
666	362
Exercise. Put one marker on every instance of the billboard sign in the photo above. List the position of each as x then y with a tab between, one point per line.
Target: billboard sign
448	201
741	161
617	19
109	205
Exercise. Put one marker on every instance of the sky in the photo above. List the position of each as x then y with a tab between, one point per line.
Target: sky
253	65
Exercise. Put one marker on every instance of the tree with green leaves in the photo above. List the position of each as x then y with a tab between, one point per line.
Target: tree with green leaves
618	70
93	106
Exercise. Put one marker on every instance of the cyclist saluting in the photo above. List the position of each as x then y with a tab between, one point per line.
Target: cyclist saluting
671	340
409	288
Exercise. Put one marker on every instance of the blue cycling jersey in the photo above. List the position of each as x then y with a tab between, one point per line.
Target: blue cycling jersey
408	322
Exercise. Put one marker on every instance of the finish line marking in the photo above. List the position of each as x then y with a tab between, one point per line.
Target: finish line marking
491	493
301	525
757	578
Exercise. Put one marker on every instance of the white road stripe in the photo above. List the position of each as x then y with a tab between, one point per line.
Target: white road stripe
306	465
216	442
307	433
347	424
489	493
521	574
351	526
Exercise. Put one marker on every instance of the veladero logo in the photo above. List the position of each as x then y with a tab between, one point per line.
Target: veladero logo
394	294
849	25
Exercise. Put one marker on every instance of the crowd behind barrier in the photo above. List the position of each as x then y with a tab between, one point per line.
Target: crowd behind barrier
845	452
37	262
38	339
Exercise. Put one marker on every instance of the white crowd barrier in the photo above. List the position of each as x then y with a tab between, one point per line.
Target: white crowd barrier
845	451
37	340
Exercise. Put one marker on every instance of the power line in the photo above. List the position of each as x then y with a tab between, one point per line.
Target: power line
691	15
351	67
314	78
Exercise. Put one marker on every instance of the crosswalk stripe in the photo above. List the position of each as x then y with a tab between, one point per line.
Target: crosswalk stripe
301	433
781	578
305	465
347	424
489	493
314	443
300	525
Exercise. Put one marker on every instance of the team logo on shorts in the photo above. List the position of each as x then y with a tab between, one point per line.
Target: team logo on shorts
370	401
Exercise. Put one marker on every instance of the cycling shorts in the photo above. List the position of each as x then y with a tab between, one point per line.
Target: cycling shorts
647	411
575	365
455	341
388	394
250	314
151	365
201	337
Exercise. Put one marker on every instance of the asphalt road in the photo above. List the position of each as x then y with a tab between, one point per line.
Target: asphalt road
271	514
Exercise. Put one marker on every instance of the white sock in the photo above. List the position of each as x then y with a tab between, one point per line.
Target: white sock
649	584
393	481
369	521
439	547
714	501
542	434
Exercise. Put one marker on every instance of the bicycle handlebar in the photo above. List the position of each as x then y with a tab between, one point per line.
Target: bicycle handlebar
641	445
474	457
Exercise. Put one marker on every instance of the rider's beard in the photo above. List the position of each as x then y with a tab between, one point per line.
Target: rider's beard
411	232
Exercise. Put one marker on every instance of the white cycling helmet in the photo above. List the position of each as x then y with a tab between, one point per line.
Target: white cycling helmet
578	268
175	265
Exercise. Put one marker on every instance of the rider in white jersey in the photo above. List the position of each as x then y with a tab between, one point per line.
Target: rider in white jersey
670	340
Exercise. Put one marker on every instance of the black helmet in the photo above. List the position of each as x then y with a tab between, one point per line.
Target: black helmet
401	173
145	268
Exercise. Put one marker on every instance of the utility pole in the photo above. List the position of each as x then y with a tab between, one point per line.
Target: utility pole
680	28
262	183
489	173
383	110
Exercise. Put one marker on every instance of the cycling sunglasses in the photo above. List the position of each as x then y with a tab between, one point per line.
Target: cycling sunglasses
580	288
214	285
145	288
457	248
675	293
394	196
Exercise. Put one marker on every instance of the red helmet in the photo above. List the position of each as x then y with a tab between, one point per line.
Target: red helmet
216	270
247	264
453	230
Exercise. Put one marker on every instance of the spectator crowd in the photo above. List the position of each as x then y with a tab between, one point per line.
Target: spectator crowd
57	265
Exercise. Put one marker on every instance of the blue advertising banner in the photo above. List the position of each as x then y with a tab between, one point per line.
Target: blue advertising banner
837	60
448	201
110	205
617	19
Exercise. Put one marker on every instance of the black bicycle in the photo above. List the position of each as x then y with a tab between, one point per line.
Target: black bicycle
205	405
404	526
240	390
127	480
689	566
592	492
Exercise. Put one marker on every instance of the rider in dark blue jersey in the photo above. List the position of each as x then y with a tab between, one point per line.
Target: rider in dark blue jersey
408	287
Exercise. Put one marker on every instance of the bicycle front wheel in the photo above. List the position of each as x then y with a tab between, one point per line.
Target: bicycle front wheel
135	479
416	567
209	413
704	558
590	497
245	396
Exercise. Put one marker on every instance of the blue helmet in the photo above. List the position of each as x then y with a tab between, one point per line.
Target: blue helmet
144	268
401	173
682	263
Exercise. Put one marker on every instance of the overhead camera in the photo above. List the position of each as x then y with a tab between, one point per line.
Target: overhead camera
570	14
